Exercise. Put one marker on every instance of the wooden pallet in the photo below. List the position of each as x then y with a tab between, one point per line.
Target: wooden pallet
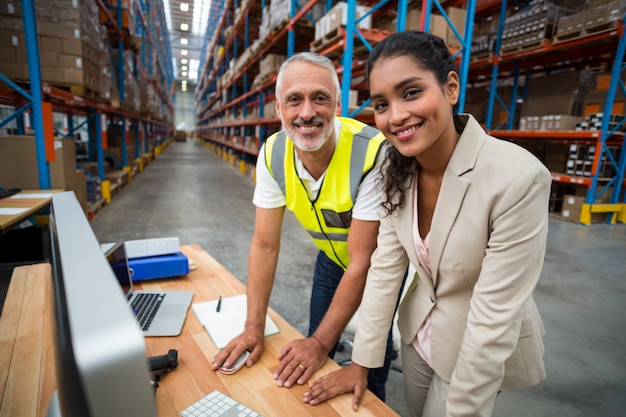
326	41
572	36
94	208
279	27
483	56
528	47
263	79
84	91
117	104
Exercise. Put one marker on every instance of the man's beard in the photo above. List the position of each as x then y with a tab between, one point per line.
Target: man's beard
305	143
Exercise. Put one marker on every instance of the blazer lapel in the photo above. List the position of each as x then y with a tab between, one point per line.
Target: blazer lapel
453	189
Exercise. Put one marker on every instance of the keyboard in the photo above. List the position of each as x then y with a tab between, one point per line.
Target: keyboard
145	307
4	193
217	404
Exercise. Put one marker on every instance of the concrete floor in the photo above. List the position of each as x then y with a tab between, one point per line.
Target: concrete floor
191	193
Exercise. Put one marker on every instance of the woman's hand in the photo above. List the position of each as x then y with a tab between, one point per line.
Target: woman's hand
352	378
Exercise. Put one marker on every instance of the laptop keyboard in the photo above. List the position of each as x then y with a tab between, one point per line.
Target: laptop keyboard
217	404
145	307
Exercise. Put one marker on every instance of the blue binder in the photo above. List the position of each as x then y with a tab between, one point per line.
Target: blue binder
162	266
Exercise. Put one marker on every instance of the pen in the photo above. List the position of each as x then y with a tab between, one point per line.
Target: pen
219	304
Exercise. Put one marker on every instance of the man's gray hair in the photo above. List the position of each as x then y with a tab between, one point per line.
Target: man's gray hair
311	58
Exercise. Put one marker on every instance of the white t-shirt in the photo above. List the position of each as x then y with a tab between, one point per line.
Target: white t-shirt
267	193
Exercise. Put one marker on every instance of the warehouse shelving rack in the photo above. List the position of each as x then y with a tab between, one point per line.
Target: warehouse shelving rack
490	71
365	38
238	93
575	53
43	99
226	137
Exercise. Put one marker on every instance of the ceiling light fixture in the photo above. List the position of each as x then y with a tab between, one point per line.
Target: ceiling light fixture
184	7
200	16
184	26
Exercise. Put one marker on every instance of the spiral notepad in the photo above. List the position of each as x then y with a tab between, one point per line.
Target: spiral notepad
229	322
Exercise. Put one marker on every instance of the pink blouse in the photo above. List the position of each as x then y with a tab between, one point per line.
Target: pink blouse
421	342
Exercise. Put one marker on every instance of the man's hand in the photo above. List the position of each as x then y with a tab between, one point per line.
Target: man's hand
299	359
251	339
352	378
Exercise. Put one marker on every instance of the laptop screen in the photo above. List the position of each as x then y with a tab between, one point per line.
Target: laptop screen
116	256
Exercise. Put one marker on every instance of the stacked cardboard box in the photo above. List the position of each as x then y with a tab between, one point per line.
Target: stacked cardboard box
337	17
566	201
71	45
19	167
527	28
594	122
572	208
594	101
557	94
597	16
550	122
132	99
279	13
440	27
271	63
580	161
554	156
484	38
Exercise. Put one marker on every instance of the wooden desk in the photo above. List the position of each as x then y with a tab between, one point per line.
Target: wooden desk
27	206
27	377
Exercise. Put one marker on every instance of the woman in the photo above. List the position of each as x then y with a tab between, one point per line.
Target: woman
470	212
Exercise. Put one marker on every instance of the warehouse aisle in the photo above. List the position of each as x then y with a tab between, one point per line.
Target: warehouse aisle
191	193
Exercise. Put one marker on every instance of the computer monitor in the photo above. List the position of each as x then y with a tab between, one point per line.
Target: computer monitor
100	352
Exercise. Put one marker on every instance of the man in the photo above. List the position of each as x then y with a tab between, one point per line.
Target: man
324	169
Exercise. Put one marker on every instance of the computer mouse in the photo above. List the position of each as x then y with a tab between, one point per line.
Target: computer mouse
241	361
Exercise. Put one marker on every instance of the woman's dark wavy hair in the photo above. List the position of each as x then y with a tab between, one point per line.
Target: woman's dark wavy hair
431	53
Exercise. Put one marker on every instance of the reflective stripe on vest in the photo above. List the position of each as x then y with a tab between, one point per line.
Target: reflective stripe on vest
327	218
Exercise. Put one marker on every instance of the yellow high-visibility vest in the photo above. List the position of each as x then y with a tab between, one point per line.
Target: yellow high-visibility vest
327	218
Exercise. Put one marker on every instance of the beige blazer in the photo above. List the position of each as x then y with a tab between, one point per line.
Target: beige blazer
487	245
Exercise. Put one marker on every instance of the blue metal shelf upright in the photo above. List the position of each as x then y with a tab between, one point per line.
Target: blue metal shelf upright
568	53
42	99
352	32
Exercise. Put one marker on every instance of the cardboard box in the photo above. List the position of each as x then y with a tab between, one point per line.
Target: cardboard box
19	168
571	209
14	71
457	17
570	25
119	177
555	122
50	44
80	188
553	94
440	27
52	74
11	8
337	17
271	63
413	19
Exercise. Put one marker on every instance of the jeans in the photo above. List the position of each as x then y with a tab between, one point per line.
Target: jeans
326	278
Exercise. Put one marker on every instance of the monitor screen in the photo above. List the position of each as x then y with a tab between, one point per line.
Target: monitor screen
100	352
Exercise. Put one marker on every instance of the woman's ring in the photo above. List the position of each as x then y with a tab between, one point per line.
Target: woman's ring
300	366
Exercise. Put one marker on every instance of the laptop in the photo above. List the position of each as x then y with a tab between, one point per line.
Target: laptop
159	313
